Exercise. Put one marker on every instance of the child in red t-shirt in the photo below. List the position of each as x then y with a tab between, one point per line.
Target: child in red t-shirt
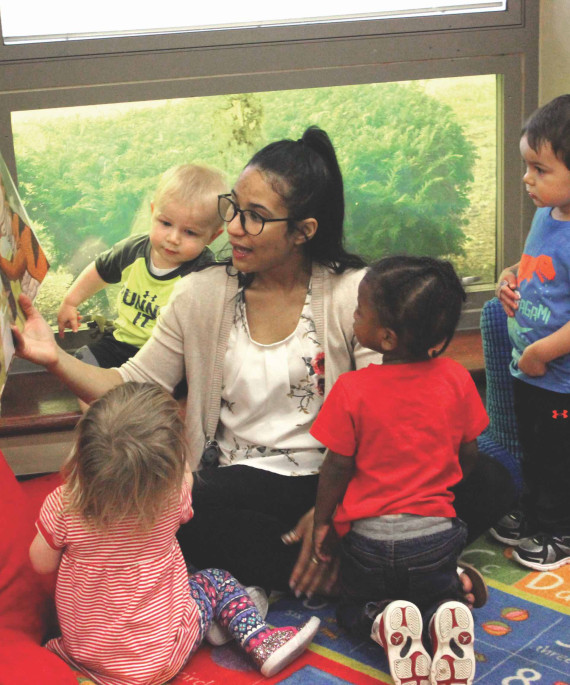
399	436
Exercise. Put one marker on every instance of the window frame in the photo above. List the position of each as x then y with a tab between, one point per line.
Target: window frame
215	62
270	33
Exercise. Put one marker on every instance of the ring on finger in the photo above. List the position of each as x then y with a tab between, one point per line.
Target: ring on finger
290	537
315	560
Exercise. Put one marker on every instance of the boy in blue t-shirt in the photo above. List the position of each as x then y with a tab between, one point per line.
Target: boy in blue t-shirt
184	222
535	293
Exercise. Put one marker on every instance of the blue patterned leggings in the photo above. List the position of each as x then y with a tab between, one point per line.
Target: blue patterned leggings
220	597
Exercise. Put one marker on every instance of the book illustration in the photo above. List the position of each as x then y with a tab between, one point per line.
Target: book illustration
23	264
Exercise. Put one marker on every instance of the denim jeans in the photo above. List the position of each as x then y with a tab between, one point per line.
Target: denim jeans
422	570
240	513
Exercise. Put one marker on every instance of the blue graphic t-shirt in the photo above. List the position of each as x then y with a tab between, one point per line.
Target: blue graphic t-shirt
544	285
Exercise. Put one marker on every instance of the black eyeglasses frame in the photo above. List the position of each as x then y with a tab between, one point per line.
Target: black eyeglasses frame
237	210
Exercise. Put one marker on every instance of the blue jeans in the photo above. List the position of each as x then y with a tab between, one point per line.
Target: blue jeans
373	573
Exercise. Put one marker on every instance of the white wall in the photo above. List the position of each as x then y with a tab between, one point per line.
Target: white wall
554	50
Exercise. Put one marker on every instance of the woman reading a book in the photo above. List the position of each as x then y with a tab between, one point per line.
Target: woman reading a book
260	341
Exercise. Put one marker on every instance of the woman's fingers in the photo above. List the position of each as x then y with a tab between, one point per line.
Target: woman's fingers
291	537
310	574
36	342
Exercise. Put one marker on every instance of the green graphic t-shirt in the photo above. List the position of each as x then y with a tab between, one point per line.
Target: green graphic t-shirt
142	293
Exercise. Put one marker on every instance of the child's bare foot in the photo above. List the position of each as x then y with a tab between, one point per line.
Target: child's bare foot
474	586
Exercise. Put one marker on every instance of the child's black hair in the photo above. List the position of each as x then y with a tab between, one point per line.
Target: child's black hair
419	298
551	124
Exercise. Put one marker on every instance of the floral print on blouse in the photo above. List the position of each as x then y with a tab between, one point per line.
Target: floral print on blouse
271	394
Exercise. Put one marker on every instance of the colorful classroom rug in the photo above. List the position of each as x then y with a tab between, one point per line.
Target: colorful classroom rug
522	635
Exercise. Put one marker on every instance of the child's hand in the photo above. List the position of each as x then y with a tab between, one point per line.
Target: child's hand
530	363
322	542
507	291
68	317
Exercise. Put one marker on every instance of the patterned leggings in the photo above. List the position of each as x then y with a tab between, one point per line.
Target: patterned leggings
220	597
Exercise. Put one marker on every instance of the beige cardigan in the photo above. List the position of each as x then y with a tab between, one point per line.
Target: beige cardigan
192	332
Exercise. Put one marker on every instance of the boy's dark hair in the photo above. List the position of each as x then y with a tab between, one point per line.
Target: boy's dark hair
306	175
551	124
419	298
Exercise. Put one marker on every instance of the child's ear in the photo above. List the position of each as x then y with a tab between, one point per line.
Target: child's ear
436	349
388	339
215	234
306	230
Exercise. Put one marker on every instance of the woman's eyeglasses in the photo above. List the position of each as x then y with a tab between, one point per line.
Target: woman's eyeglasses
251	222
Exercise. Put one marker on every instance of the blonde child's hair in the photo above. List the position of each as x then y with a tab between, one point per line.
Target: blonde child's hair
129	457
192	184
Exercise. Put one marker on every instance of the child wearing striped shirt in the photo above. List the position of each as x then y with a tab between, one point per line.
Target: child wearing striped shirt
127	610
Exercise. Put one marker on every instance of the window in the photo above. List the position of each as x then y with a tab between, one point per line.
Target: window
419	165
276	64
29	21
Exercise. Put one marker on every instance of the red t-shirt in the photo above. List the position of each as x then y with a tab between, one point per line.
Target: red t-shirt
403	425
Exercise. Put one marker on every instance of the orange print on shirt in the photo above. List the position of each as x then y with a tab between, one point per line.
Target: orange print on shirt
540	266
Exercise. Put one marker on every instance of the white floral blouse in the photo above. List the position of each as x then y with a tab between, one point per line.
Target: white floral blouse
271	395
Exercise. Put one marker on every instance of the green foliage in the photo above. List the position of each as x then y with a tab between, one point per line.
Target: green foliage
406	162
407	166
52	292
244	114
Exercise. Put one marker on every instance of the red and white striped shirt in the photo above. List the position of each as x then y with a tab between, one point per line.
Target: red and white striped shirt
122	595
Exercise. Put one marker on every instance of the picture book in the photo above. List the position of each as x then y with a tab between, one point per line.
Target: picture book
23	265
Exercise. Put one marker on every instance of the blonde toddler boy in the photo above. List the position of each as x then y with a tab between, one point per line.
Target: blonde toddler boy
184	222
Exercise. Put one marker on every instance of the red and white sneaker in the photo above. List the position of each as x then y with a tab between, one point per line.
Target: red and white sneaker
399	630
275	648
452	637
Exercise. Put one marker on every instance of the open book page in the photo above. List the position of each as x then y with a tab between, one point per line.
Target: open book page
23	264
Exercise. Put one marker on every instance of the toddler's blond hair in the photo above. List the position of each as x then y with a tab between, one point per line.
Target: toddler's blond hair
192	184
128	458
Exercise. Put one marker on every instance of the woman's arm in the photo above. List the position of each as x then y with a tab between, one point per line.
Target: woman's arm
37	344
44	558
85	286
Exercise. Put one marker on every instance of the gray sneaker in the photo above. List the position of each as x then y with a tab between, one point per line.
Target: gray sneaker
543	552
511	529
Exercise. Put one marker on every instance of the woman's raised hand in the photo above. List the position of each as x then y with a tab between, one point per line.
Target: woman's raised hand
310	575
36	342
